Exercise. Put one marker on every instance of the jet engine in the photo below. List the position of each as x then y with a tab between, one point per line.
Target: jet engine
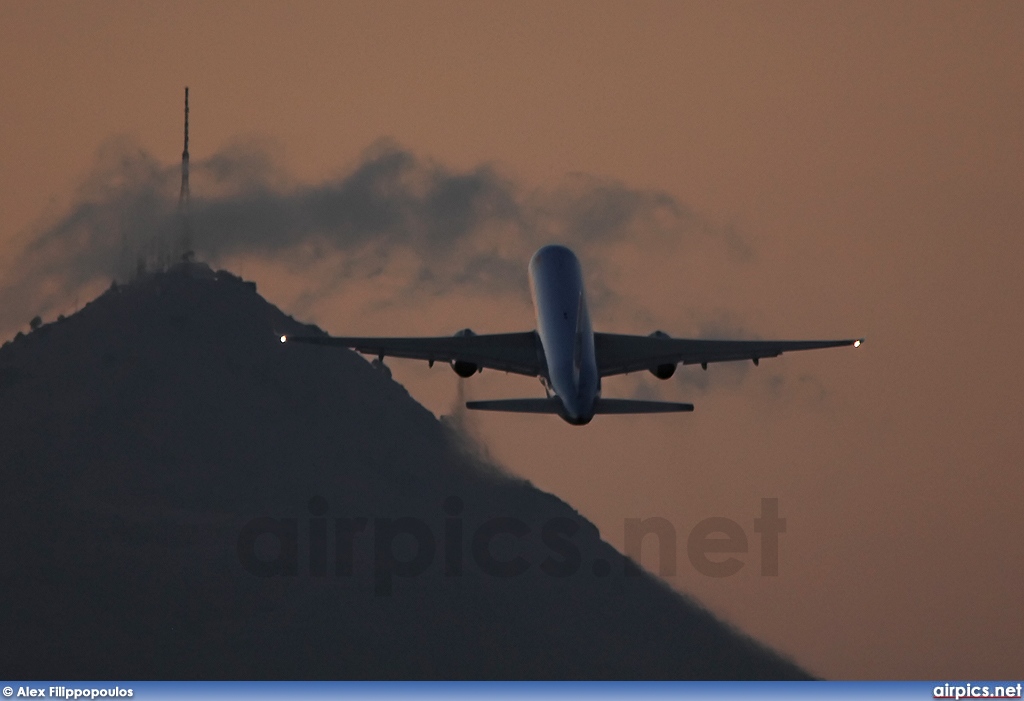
666	370
463	368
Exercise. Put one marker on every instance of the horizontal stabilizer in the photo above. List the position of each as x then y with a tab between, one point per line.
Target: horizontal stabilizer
603	406
522	406
638	406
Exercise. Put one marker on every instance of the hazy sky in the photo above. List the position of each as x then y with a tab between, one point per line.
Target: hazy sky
793	170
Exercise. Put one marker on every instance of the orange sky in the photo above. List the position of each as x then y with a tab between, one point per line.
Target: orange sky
866	156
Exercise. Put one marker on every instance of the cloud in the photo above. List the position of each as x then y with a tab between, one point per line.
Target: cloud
464	432
467	230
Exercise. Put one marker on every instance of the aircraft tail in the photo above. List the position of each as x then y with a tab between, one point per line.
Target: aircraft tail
552	405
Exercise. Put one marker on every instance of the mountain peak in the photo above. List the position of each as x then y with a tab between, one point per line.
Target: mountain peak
221	505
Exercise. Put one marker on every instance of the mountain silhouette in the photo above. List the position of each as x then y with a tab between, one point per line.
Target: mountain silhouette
184	497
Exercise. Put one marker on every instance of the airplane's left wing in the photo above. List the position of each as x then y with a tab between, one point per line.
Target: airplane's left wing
512	352
620	353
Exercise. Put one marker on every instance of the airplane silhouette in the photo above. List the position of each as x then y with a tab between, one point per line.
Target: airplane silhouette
564	352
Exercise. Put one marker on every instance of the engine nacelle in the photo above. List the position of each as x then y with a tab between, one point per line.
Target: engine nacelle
663	372
666	370
464	369
461	367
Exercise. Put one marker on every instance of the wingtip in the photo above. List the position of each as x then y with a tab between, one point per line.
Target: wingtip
858	343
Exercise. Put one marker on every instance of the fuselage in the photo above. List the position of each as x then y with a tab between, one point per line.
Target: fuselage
566	336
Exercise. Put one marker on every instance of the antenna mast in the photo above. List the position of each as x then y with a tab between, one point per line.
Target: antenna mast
186	242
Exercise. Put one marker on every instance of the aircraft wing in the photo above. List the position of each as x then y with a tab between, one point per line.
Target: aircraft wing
512	352
619	353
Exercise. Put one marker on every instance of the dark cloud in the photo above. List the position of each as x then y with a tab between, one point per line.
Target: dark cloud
390	199
470	230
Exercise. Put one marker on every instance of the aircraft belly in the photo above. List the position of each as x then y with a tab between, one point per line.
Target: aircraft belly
563	325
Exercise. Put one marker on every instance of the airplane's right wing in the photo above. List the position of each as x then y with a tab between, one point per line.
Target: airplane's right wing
619	353
512	352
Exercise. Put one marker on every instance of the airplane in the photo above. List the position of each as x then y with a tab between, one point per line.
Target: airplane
564	351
